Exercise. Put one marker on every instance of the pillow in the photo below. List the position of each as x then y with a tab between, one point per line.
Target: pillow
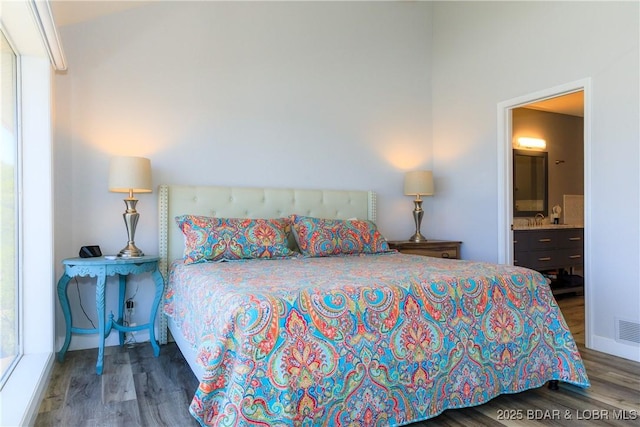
216	239
323	237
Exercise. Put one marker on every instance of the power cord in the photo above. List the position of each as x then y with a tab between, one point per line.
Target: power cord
134	294
130	339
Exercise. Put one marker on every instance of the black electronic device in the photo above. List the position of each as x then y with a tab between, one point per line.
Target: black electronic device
90	251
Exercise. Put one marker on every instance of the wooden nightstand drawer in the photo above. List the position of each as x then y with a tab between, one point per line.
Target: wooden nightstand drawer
432	248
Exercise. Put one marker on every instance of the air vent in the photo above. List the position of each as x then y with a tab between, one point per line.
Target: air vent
627	331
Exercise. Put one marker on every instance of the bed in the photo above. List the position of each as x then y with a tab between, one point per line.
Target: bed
351	333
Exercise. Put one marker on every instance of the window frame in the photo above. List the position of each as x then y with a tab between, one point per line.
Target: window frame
18	211
25	388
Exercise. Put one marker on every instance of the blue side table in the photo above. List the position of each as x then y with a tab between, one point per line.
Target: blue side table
101	268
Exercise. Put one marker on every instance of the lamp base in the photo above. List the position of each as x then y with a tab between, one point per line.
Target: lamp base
130	251
130	217
417	218
417	238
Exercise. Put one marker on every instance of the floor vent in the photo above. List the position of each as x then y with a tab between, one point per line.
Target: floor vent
627	331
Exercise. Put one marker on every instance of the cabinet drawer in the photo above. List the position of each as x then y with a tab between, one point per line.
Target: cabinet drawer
436	253
534	240
521	259
432	248
571	257
521	241
549	260
536	260
543	241
548	249
570	238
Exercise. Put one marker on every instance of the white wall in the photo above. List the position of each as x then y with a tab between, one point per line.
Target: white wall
282	94
348	95
485	53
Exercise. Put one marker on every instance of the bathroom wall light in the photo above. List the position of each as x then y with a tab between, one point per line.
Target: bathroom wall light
532	143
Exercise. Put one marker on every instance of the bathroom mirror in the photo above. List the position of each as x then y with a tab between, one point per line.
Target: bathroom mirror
530	186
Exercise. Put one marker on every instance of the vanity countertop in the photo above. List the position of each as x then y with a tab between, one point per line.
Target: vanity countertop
545	226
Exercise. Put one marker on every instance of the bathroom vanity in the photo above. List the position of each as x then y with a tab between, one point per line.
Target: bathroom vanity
558	248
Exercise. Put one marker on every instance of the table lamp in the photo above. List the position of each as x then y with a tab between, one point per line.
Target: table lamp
130	175
418	183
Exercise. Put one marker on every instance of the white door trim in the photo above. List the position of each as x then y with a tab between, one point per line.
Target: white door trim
505	184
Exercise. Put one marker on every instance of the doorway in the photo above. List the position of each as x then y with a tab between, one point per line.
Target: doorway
562	100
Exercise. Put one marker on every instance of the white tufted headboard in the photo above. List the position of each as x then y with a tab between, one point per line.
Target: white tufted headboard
241	202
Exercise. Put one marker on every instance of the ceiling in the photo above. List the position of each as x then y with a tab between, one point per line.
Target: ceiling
571	104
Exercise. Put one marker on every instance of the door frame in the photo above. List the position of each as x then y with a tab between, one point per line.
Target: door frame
505	181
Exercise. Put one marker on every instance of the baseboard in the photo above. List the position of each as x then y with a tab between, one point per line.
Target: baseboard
83	342
615	348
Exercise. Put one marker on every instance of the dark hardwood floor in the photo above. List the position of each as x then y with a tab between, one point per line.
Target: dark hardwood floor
138	389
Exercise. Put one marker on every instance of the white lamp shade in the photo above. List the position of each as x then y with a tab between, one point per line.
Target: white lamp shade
418	183
130	174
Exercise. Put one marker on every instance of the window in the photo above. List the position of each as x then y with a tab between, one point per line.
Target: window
10	345
29	127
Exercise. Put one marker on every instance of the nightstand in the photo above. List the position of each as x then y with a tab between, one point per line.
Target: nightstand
101	268
432	248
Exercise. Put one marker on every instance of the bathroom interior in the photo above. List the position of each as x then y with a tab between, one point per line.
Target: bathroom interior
548	184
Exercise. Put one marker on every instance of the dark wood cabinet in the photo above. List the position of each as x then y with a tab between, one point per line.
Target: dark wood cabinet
545	250
432	248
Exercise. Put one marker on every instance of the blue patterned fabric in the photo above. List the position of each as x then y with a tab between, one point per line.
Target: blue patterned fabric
216	239
374	340
325	237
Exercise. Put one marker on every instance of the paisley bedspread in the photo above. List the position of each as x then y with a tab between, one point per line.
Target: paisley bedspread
365	340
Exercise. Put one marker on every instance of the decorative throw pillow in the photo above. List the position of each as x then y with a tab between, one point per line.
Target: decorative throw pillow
323	237
215	239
